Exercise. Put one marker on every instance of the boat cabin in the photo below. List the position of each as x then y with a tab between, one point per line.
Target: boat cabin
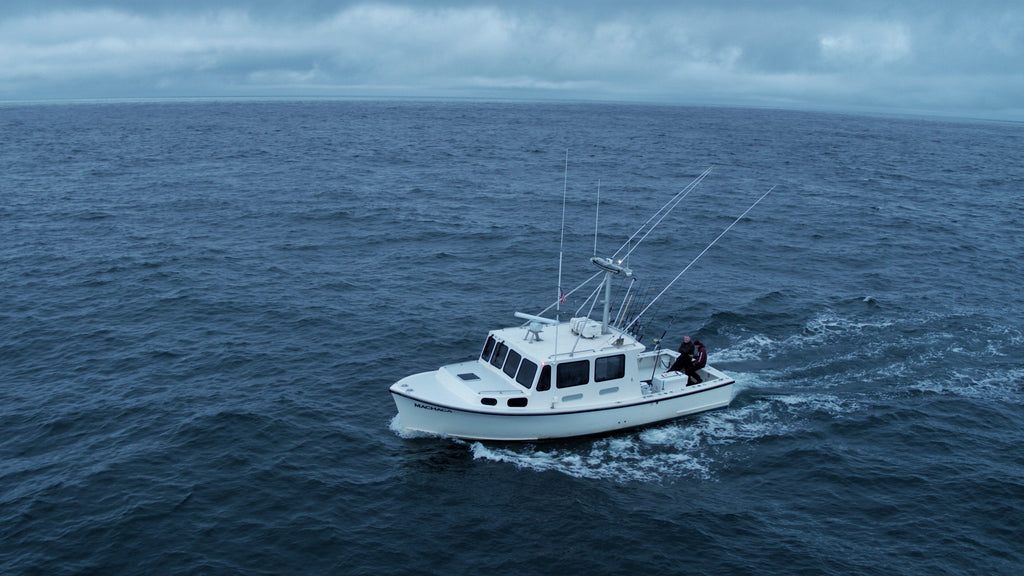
556	364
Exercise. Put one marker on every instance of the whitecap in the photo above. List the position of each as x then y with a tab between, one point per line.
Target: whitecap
995	384
750	348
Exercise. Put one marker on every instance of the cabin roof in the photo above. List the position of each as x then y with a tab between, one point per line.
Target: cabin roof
561	343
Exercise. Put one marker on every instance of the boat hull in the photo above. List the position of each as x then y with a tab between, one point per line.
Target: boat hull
418	415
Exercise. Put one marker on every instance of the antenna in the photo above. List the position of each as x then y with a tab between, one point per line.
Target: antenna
561	244
561	239
597	213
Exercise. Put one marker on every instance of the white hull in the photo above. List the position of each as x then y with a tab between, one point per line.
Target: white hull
422	416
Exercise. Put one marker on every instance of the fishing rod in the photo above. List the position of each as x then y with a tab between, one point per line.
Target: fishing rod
626	301
657	346
641	302
702	252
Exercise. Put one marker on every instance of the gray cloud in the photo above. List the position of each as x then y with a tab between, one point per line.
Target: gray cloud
959	59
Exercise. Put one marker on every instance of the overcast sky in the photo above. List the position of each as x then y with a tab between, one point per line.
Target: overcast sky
932	57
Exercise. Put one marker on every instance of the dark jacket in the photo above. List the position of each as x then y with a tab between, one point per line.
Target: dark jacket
700	357
686	348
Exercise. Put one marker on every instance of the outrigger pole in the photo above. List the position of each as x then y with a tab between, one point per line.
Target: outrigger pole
660	215
611	266
573	291
692	262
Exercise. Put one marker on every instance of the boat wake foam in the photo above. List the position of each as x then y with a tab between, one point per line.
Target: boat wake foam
688	448
396	427
825	377
934	352
997	384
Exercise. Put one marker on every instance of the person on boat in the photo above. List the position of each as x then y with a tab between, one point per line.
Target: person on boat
700	360
685	356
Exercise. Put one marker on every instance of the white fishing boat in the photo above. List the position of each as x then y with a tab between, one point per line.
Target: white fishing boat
544	378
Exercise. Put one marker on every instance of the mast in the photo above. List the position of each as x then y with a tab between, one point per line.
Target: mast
610	268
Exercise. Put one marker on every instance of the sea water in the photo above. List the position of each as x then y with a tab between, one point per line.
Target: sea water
205	302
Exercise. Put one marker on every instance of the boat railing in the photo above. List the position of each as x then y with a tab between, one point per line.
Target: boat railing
574	353
659	352
499	393
654	359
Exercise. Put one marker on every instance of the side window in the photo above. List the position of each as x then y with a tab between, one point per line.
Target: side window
499	355
526	374
512	363
609	368
488	348
544	383
573	374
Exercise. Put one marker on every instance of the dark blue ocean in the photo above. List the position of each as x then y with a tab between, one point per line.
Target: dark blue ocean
202	305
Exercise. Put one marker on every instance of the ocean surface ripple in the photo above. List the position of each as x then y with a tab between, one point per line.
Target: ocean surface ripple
204	304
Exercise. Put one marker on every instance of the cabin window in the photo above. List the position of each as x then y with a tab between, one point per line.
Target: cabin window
573	373
499	355
526	373
544	382
512	363
488	348
610	368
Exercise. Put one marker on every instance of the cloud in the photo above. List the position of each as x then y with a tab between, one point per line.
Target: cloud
730	52
867	44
